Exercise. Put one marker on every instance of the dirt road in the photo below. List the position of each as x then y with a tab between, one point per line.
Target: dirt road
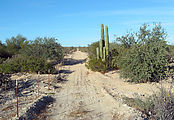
81	98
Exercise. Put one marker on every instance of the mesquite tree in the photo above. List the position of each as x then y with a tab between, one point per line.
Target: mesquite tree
145	58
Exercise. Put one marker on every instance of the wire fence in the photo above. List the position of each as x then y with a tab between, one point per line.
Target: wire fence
20	91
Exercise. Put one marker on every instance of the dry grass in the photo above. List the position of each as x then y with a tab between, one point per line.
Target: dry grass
6	108
79	113
159	106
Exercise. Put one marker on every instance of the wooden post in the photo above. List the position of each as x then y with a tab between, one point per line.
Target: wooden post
48	79
17	111
38	82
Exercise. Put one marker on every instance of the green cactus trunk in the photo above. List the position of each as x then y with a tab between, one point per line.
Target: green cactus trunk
101	41
102	32
106	40
101	49
97	52
104	53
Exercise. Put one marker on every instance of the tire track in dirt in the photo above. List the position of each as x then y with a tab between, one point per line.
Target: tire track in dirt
82	99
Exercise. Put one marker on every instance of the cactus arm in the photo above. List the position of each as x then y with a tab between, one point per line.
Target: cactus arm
97	52
106	40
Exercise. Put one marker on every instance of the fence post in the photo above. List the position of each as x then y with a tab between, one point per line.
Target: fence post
38	82
48	79
17	111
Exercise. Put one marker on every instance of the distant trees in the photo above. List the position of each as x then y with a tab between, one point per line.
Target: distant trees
29	56
14	44
46	48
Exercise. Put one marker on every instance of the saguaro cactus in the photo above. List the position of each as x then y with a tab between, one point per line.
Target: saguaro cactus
106	40
101	49
104	53
101	41
102	32
97	51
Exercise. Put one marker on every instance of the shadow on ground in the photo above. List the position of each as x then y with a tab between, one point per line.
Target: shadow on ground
66	71
70	61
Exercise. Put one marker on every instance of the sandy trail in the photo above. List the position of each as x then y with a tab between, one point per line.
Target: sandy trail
83	98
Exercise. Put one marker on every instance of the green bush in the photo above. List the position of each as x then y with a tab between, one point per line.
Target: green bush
145	56
25	64
83	49
4	54
14	44
3	51
46	48
171	52
69	50
115	55
96	64
92	49
1	60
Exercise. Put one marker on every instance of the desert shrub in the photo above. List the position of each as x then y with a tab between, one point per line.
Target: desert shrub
83	49
111	62
1	60
25	64
4	54
171	53
116	53
159	106
92	49
46	48
144	56
14	44
100	65
145	106
4	51
69	50
96	64
163	105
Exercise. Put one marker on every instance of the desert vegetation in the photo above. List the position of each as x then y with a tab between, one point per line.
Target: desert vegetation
141	57
21	55
101	57
18	54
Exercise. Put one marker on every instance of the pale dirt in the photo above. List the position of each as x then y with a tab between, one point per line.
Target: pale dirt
91	95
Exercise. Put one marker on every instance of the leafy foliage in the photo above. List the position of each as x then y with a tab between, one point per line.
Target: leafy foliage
83	49
144	57
69	50
171	52
4	54
92	49
46	48
29	56
14	44
96	65
25	64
